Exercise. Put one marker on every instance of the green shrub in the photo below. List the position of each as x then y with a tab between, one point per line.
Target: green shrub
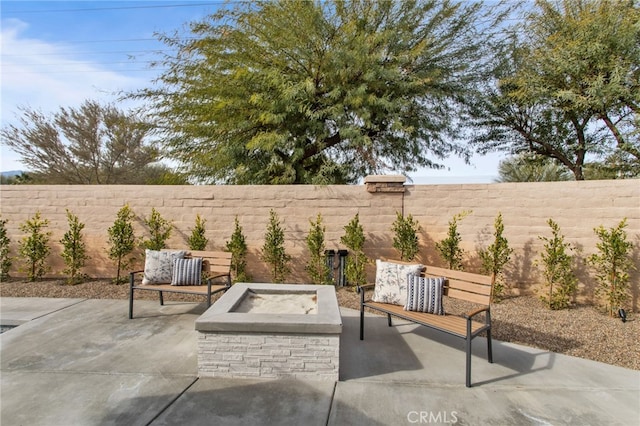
317	267
494	258
273	251
34	248
159	229
559	279
237	246
122	241
405	238
5	259
197	240
74	251
353	239
612	264
449	248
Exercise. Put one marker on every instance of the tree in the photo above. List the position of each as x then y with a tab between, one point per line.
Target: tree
449	248
559	279
275	92
34	247
5	258
528	167
273	251
568	86
92	144
122	240
74	251
405	238
353	239
197	239
317	267
237	246
495	257
159	230
612	264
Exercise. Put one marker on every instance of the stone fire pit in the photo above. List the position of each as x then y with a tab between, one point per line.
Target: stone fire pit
271	331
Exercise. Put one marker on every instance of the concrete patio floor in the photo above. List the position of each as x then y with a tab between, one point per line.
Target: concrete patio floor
82	362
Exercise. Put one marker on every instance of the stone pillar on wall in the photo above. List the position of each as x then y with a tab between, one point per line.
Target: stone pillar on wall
385	183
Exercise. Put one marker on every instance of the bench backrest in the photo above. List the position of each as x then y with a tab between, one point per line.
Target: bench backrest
214	263
463	285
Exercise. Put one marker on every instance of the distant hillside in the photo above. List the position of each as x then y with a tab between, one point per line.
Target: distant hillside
11	173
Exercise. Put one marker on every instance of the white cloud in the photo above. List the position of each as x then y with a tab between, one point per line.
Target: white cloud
46	76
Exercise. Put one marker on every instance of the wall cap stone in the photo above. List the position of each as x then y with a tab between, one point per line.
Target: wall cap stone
385	183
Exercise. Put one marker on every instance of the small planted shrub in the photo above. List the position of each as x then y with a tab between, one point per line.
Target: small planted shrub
159	230
353	239
449	248
34	248
74	252
122	241
197	240
237	246
273	251
559	279
494	258
317	267
5	259
612	264
405	238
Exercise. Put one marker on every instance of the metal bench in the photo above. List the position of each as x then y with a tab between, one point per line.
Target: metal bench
215	265
466	286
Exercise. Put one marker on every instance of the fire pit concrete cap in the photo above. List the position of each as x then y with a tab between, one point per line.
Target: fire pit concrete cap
221	316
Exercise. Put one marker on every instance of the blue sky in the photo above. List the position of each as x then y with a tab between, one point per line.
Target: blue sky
59	53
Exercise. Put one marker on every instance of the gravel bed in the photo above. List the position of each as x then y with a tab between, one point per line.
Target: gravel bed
581	331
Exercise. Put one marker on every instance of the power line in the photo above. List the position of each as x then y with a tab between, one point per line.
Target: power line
98	9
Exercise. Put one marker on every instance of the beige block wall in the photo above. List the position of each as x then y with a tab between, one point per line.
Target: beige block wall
577	207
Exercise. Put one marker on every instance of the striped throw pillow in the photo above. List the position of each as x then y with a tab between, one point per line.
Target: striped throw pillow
424	294
187	271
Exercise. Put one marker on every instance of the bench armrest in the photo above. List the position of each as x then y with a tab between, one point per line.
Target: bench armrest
471	314
361	289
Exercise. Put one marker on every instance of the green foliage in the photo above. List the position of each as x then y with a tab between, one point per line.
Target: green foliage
319	92
405	238
568	87
559	279
34	247
317	267
495	257
449	248
528	167
273	251
237	246
197	239
122	240
5	259
612	264
74	252
356	261
159	229
92	144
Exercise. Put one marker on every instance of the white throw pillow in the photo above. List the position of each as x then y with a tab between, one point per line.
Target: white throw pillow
391	281
158	265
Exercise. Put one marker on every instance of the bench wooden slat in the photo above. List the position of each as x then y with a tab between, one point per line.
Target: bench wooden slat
449	323
459	275
482	299
469	287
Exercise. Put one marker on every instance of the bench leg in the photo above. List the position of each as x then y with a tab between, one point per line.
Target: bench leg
489	351
161	298
468	369
389	320
361	322
131	303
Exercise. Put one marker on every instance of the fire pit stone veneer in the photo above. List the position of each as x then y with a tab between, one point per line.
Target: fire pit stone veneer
236	342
